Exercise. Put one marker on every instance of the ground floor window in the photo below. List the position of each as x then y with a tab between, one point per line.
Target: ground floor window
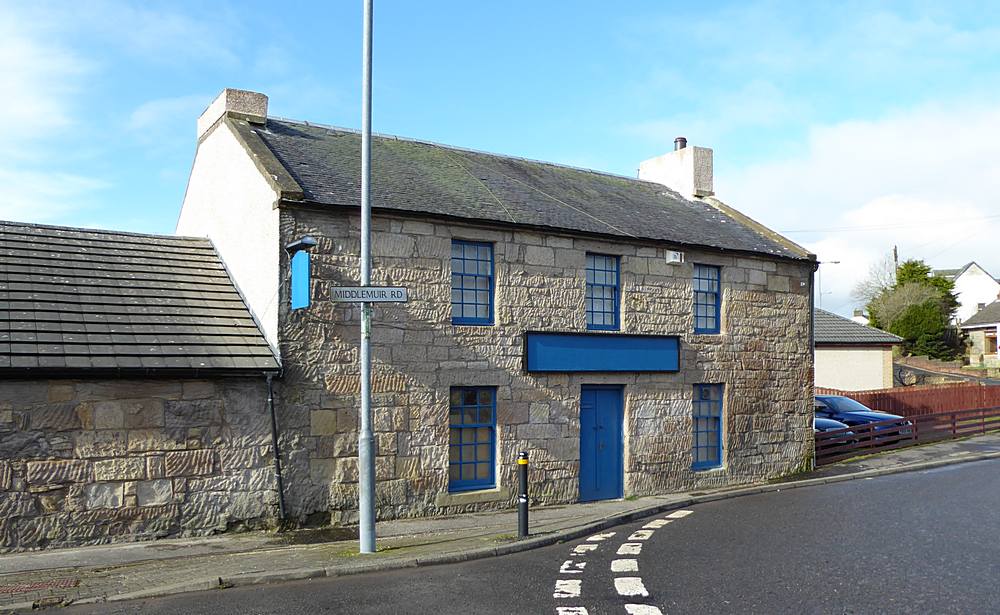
707	424
472	439
991	343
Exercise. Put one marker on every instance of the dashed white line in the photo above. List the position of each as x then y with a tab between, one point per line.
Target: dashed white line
567	588
625	565
641	535
571	567
642	609
600	537
578	549
656	524
630	548
572	610
679	514
630	586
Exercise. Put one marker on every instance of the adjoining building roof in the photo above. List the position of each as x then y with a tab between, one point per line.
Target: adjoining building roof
78	301
989	315
432	179
837	330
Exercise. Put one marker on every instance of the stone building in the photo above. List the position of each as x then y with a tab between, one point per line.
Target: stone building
635	336
982	330
133	391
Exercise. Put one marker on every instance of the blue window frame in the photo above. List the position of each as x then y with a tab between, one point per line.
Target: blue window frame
472	420
707	298
300	280
471	283
603	292
706	421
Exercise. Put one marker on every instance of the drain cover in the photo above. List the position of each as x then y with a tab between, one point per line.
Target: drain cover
34	586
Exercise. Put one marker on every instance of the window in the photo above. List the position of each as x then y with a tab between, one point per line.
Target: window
707	297
602	292
471	283
300	280
991	343
472	421
707	423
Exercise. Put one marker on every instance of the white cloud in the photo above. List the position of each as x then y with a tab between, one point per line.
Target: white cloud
926	180
38	78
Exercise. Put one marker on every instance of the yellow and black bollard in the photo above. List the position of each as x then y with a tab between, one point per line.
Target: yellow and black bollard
522	496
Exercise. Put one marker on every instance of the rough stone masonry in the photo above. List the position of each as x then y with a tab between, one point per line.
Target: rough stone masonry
762	356
97	461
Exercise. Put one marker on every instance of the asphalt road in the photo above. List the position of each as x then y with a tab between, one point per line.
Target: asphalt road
920	542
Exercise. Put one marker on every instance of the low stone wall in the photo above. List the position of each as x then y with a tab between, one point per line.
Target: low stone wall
91	462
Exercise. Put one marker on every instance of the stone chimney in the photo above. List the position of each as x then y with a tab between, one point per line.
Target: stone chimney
688	170
239	104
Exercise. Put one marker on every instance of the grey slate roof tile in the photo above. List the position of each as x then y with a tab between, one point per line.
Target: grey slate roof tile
424	178
987	316
834	329
79	299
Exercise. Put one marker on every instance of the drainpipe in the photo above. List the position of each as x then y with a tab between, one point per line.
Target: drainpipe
274	446
812	349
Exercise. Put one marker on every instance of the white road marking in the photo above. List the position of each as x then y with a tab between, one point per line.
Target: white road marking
641	535
625	565
571	567
567	588
679	514
656	524
579	549
630	586
642	609
600	537
630	548
572	610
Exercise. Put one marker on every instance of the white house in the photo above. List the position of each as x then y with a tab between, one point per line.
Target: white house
975	288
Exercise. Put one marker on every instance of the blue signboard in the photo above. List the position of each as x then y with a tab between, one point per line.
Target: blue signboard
601	352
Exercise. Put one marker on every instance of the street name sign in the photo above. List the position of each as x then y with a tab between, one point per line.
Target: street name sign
368	294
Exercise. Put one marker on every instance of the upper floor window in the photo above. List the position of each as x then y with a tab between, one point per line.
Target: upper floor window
706	422
472	438
707	298
471	283
603	291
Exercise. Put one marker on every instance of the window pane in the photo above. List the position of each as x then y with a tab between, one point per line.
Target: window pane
484	434
482	471
468	471
453	453
483	312
468	436
454	473
486	396
483	452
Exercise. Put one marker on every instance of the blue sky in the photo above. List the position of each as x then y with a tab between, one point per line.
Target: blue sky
854	126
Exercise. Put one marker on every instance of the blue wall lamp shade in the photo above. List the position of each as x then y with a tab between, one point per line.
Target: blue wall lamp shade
299	250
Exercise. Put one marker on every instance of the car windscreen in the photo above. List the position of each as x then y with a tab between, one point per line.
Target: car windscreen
846	404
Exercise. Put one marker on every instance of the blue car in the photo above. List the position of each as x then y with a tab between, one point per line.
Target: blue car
828	425
852	413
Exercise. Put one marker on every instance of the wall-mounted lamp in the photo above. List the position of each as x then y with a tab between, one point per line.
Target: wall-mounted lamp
299	291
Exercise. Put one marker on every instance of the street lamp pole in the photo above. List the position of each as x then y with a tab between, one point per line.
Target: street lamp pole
366	441
819	278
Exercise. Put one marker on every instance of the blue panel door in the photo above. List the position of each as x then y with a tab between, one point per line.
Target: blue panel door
601	443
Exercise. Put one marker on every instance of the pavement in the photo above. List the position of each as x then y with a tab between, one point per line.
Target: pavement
88	575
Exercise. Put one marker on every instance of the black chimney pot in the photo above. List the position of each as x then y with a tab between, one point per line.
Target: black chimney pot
680	143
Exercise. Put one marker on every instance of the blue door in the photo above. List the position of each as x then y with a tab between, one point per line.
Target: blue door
601	443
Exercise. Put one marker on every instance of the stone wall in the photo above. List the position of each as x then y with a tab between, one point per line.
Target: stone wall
762	356
90	462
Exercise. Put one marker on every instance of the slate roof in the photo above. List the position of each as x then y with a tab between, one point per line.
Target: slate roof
90	301
989	315
414	176
837	330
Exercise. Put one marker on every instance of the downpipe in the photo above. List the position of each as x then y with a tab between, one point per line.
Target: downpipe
274	446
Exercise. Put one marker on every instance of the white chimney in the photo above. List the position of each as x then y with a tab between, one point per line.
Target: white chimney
688	170
240	104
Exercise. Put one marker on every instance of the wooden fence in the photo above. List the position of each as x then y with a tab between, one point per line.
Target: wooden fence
836	445
926	399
